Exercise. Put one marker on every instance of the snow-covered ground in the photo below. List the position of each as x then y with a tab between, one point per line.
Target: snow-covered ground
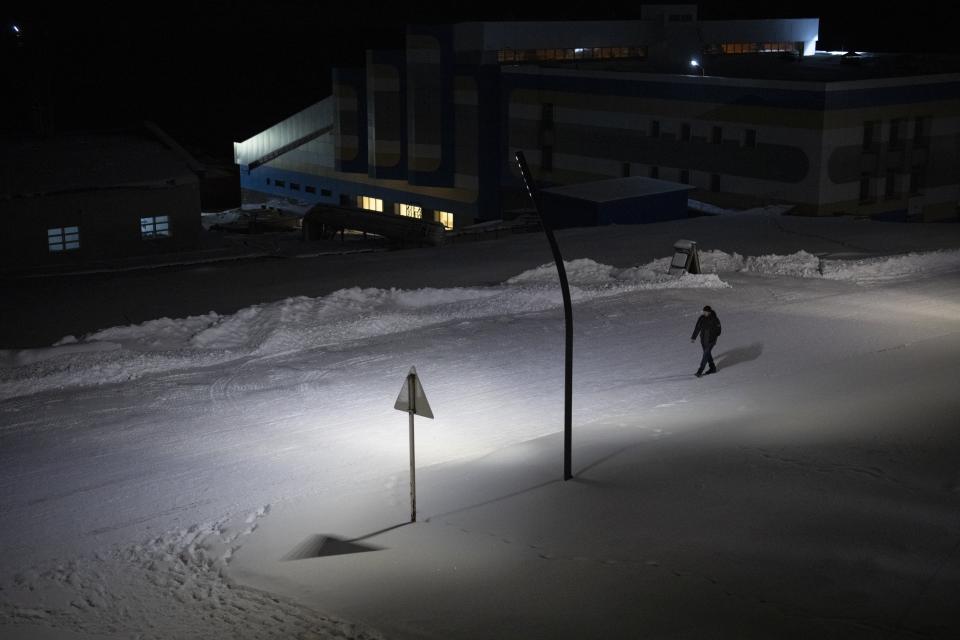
204	475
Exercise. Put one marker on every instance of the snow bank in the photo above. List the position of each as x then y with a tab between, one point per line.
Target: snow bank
125	353
806	265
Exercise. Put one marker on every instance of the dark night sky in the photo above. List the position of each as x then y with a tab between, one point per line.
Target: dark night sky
217	71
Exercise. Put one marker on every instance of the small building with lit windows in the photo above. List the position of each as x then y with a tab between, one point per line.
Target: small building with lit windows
743	112
85	198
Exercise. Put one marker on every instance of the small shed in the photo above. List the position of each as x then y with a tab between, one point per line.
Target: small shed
635	200
90	197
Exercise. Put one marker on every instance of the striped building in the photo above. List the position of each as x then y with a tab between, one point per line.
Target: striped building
745	111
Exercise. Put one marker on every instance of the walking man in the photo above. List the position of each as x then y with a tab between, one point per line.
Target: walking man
708	328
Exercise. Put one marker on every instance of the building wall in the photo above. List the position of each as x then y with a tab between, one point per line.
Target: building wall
386	108
756	141
350	119
108	222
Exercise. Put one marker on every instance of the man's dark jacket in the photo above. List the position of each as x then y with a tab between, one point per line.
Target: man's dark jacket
708	327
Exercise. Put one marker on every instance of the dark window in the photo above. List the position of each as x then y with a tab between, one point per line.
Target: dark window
654	128
916	181
685	176
921	131
896	133
685	133
294	186
268	180
346	200
869	134
626	170
717	135
889	188
279	183
750	139
546	114
864	187
310	189
715	182
325	192
654	172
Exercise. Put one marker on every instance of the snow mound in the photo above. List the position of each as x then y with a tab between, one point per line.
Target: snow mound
124	353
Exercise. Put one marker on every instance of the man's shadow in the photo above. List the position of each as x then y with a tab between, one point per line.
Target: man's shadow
739	354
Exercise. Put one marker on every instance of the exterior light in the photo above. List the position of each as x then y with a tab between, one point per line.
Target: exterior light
694	63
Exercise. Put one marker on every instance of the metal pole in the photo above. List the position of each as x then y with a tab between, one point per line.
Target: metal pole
567	321
411	381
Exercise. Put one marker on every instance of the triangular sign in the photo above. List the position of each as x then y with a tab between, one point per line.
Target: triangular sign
420	405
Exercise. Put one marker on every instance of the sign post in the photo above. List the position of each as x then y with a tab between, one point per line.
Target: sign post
686	258
413	400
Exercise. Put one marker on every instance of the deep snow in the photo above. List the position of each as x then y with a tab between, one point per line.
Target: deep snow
155	475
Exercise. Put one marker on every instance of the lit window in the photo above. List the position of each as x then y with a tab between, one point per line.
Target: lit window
155	227
63	239
411	211
370	204
446	219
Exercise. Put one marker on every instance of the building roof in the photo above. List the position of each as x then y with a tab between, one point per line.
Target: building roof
617	189
90	161
821	67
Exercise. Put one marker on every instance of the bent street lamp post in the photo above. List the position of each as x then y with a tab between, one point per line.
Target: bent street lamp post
567	320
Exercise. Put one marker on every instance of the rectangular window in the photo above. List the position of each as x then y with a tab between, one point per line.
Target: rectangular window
370	204
279	183
155	227
750	138
869	135
896	133
916	181
921	131
654	128
717	135
685	133
685	176
63	239
625	170
655	172
546	158
325	192
715	182
410	211
294	186
446	219
890	186
268	180
310	189
865	191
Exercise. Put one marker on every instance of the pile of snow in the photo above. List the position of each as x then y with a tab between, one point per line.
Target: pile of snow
806	265
124	353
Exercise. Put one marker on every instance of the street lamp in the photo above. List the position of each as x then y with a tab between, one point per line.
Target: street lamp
696	63
567	319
